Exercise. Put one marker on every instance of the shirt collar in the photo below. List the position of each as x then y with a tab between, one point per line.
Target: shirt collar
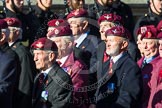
148	60
63	59
116	58
47	71
81	39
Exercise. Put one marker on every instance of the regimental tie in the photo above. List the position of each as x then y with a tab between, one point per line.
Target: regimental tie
106	57
110	67
40	80
144	63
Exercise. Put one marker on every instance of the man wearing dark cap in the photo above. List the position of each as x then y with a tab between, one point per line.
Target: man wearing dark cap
52	86
9	63
23	94
119	86
148	61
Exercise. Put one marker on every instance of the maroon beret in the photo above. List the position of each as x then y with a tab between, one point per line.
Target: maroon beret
149	32
159	36
118	31
78	13
56	22
159	26
3	24
111	18
44	44
13	22
61	31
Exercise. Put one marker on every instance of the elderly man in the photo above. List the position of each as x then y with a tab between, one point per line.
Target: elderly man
148	61
73	66
85	44
23	94
9	63
52	86
120	86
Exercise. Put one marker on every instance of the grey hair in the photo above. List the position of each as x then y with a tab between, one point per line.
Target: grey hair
6	31
68	39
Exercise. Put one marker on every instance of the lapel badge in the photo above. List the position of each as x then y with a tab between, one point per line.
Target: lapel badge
83	47
110	87
145	76
44	95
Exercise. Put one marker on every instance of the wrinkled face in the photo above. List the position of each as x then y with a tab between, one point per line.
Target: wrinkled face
104	26
140	44
41	59
19	4
160	47
113	45
156	6
47	3
150	47
76	25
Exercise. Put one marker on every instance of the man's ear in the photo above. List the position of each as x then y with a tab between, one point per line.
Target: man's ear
124	45
2	37
85	24
51	56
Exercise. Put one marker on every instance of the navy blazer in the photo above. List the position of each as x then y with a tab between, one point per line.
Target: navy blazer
23	94
8	74
87	50
123	88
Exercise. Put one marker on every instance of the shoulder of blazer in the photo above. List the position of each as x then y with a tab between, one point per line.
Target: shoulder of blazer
58	72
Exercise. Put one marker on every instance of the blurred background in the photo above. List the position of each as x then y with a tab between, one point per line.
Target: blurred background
139	7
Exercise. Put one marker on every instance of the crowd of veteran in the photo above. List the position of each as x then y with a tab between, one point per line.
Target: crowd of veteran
87	57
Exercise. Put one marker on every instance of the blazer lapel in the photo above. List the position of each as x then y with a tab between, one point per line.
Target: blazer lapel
52	73
36	94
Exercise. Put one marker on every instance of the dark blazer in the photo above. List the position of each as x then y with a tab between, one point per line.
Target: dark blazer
59	86
8	74
23	94
126	79
87	50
